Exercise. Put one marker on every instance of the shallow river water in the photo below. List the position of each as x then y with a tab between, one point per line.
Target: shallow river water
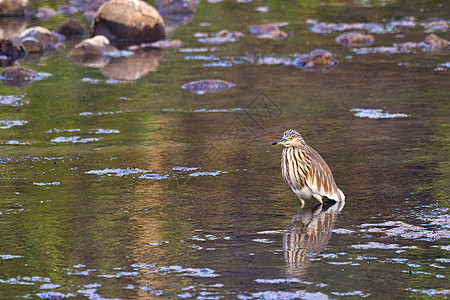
117	183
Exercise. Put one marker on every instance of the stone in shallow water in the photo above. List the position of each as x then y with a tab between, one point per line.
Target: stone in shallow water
207	86
355	39
317	59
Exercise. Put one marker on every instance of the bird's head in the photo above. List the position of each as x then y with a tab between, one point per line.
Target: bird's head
291	138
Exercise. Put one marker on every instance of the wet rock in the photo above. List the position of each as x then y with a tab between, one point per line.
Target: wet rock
176	6
68	10
274	35
165	44
207	86
317	59
10	50
263	28
268	31
435	42
15	8
31	45
45	13
355	39
176	12
18	76
48	39
223	36
97	46
436	26
128	21
70	26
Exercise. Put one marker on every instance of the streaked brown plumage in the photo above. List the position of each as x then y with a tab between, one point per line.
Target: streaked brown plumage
306	171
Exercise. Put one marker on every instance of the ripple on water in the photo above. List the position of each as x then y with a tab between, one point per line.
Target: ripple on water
73	139
6	124
8	256
376	245
272	295
13	100
376	114
117	171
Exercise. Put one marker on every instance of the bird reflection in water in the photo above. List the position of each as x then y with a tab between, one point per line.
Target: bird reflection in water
308	235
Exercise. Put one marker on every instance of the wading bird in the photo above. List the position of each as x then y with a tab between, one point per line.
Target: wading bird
306	171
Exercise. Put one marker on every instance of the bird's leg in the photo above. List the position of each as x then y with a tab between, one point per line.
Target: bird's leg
318	198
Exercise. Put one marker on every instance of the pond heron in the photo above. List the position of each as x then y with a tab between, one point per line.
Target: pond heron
306	171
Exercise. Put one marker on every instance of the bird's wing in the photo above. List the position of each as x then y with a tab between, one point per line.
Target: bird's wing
320	179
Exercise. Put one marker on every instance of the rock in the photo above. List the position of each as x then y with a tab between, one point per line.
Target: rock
128	21
18	76
97	46
225	33
435	42
48	39
184	7
68	10
207	86
15	8
317	59
355	39
11	50
268	31
261	29
31	45
70	26
45	13
436	26
274	35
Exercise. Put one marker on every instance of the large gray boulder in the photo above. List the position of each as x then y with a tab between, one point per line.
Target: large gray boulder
15	8
128	21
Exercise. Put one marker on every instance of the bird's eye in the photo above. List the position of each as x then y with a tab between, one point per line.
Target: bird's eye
289	138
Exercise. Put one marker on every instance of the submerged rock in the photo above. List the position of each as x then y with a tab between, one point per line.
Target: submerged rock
48	39
99	45
355	39
317	59
128	21
70	26
45	13
14	8
435	42
18	76
207	86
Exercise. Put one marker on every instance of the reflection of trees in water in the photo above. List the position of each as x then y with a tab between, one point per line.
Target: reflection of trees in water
307	235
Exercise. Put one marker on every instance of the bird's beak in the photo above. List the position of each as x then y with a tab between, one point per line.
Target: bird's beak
280	141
